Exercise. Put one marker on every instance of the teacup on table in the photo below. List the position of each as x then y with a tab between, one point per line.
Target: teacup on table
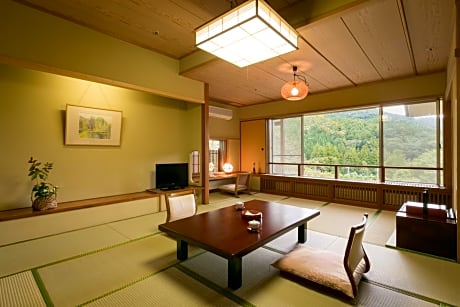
239	205
254	225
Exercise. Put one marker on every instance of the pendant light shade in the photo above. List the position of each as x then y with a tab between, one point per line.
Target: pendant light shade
296	89
250	33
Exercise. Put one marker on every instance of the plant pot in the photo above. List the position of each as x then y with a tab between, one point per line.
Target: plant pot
44	203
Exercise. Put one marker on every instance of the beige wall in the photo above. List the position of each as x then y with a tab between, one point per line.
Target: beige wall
42	41
32	122
229	130
225	129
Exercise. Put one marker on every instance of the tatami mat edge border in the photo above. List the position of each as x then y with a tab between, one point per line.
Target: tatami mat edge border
41	286
213	286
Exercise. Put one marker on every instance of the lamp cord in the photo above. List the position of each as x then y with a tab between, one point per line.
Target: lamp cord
301	77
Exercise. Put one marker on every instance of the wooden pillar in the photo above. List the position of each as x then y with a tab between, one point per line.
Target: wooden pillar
205	146
455	132
447	143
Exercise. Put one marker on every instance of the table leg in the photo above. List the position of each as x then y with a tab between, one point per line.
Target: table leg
182	250
235	272
301	236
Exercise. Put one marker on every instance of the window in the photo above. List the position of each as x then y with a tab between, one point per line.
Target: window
348	139
399	143
286	145
195	163
217	154
410	142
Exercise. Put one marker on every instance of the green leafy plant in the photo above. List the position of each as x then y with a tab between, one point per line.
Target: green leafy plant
39	172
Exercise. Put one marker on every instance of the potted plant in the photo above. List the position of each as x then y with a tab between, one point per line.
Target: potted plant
43	195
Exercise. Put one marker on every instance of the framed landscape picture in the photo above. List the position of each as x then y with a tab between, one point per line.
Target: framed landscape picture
91	126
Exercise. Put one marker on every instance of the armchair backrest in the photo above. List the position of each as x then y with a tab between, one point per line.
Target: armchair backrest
355	254
242	179
180	205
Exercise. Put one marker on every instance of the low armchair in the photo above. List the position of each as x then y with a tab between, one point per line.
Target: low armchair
241	185
341	272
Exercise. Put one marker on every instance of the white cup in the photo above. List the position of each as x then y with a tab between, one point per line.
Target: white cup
254	224
239	205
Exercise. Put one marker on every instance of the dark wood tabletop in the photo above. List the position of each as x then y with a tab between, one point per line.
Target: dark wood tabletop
224	232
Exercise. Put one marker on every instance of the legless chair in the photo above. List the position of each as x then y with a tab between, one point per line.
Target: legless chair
329	269
241	184
180	205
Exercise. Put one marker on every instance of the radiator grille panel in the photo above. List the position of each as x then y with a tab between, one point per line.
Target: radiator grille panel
312	189
356	193
375	195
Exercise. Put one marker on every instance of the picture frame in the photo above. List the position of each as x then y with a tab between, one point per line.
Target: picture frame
92	126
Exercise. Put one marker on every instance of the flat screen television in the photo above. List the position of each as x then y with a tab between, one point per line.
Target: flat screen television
171	176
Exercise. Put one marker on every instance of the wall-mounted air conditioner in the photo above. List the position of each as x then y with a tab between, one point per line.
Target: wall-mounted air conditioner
221	113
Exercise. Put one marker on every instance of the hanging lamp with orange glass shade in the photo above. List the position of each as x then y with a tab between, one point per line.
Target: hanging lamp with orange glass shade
296	89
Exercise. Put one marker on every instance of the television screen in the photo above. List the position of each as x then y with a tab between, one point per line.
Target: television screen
171	176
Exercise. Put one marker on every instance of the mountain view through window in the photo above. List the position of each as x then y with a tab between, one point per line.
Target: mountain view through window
351	145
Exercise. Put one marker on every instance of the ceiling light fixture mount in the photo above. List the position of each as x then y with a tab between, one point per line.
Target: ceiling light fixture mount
296	89
250	33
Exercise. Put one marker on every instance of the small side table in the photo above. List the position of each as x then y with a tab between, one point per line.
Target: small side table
427	234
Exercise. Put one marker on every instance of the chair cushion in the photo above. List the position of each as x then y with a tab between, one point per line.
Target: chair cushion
227	187
231	187
242	187
320	266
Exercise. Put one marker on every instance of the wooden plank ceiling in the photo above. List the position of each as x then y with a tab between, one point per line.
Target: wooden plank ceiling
356	42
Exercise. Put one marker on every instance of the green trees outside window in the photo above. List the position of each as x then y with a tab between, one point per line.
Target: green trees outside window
399	143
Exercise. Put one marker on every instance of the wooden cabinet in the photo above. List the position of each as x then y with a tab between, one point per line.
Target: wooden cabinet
427	234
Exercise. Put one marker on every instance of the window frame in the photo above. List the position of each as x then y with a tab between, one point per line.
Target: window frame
381	167
219	155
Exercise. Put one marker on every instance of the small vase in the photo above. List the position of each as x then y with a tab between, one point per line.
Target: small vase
44	203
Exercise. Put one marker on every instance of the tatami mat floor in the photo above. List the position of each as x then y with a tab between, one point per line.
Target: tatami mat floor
130	263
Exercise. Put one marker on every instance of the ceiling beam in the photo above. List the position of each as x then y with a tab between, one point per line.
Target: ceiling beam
306	12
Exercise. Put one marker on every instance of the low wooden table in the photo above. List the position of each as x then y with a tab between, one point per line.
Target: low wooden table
429	234
224	232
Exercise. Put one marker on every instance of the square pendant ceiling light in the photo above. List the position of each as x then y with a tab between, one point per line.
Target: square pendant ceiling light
250	33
